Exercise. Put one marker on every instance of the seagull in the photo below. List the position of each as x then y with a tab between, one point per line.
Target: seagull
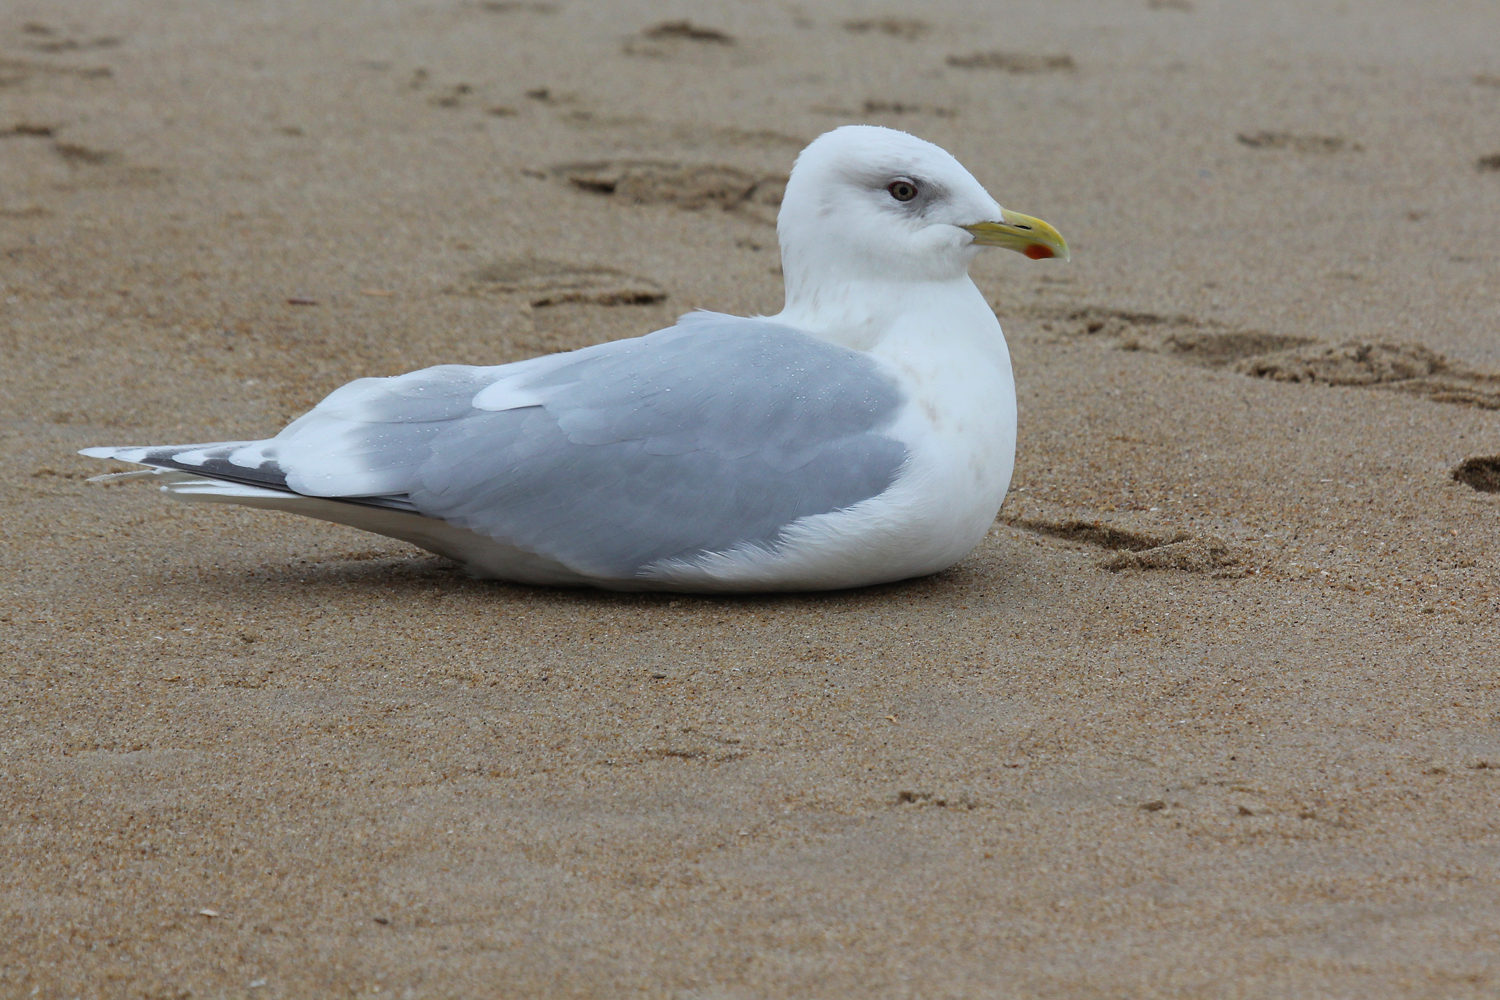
864	434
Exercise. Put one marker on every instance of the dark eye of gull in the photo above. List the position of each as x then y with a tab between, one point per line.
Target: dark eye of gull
902	189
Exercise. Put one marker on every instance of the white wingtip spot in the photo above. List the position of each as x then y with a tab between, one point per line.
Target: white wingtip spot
196	457
253	455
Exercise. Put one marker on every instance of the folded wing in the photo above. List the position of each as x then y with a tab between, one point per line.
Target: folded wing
714	433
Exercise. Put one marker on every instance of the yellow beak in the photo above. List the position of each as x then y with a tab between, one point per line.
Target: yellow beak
1023	234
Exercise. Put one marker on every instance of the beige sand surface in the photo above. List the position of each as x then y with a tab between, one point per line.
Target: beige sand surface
1213	712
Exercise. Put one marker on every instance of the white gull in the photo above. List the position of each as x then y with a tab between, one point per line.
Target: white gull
864	434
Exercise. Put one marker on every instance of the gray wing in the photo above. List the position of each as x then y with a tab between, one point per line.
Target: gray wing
713	433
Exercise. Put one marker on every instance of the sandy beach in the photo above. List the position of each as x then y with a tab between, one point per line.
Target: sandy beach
1213	711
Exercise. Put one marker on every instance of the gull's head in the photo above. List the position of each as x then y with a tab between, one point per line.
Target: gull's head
873	204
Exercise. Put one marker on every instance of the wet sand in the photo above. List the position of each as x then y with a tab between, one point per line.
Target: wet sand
1212	712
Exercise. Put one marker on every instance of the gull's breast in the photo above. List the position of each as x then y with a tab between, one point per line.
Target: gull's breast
957	421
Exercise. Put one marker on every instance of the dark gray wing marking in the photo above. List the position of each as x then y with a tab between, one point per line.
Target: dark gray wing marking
213	462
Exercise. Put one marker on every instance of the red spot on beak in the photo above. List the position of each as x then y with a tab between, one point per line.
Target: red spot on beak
1038	252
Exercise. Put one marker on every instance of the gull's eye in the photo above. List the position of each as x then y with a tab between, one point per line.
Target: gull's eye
902	189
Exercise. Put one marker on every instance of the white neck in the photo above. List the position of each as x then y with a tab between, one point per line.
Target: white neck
861	314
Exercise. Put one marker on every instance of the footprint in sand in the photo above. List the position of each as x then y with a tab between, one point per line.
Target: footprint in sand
687	31
907	29
1481	473
688	135
48	42
962	800
42	38
1217	350
874	107
28	130
1183	337
17	72
878	107
671	39
1135	547
550	283
1401	367
1014	62
1298	143
81	155
90	167
451	96
695	135
1351	363
687	186
462	95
